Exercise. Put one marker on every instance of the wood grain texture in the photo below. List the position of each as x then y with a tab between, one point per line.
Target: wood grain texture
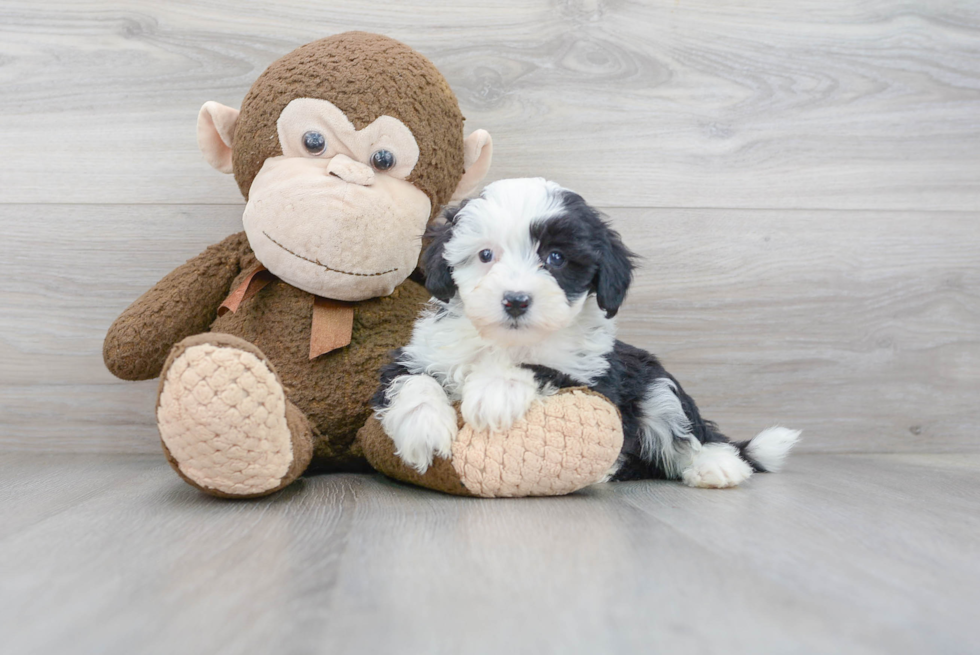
872	104
861	328
851	309
841	554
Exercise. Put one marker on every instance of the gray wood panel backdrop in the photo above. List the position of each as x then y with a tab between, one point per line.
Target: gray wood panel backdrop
802	178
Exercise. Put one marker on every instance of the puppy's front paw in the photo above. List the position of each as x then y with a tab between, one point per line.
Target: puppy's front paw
419	420
422	438
497	402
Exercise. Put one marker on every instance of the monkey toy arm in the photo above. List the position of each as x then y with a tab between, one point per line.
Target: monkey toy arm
564	443
183	303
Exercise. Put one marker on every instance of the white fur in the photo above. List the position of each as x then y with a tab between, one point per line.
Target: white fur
507	210
716	466
496	393
470	350
447	346
770	447
500	221
486	376
666	431
614	469
419	419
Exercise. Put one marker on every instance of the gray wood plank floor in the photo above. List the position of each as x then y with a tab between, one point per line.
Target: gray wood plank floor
854	553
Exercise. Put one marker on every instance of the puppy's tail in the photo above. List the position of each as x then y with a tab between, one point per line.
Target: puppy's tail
767	451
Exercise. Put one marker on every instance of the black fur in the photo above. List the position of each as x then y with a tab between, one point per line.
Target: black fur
389	372
614	276
631	372
596	261
438	273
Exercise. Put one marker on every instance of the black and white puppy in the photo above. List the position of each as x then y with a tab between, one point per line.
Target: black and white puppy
526	281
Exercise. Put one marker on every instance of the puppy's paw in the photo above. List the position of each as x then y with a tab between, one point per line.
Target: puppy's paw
716	466
417	442
420	420
497	400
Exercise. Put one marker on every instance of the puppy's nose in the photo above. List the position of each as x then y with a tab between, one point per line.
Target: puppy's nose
516	304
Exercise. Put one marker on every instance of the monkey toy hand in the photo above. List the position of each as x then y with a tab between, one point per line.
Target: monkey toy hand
564	443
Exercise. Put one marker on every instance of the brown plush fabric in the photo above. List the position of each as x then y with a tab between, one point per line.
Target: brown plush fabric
562	444
299	427
328	397
183	303
302	444
332	390
380	453
565	443
366	76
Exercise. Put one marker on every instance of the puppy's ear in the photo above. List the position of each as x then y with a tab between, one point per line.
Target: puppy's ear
438	275
615	272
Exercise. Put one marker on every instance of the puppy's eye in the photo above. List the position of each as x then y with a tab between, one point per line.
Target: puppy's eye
486	255
382	160
315	143
555	259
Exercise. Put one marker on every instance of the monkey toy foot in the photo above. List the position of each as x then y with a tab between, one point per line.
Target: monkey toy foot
226	425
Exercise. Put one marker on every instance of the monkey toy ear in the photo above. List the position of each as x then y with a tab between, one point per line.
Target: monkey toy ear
438	275
216	134
477	153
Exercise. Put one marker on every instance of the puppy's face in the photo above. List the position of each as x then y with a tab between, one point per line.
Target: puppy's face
523	258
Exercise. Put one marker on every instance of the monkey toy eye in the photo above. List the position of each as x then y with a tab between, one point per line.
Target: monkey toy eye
555	259
486	255
315	143
382	160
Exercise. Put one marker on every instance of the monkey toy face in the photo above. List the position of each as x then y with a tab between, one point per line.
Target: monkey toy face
344	149
335	213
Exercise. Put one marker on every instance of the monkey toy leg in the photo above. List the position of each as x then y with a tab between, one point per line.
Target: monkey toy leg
225	422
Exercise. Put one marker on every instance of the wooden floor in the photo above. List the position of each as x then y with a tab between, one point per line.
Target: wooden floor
801	180
837	554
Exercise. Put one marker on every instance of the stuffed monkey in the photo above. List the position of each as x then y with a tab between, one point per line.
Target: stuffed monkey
268	344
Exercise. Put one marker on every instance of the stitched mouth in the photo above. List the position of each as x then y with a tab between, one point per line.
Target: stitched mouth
319	263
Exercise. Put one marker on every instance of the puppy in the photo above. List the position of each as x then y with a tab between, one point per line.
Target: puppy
526	281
